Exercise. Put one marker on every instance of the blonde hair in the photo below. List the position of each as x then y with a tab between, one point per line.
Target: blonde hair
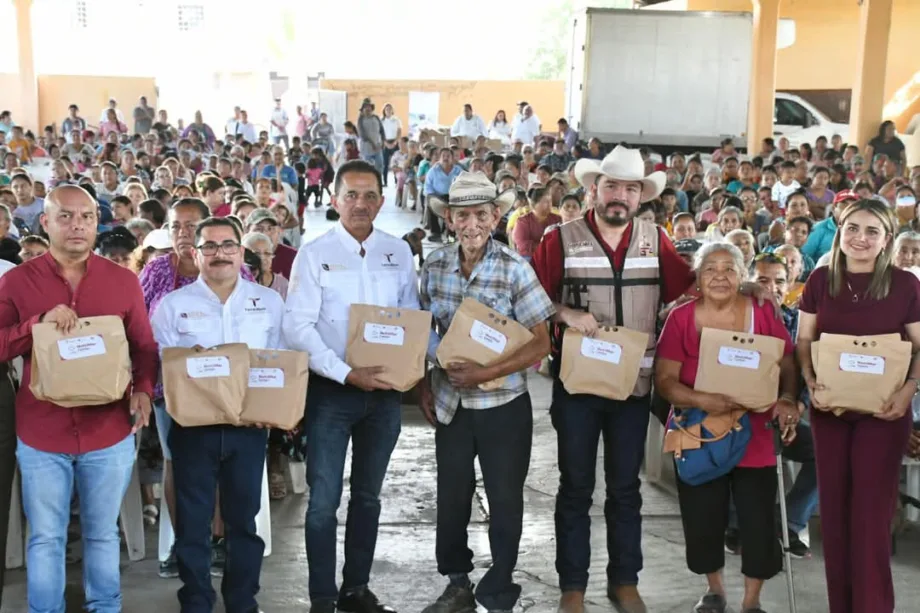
880	284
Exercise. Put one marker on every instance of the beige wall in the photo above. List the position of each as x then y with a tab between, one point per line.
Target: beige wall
487	97
91	94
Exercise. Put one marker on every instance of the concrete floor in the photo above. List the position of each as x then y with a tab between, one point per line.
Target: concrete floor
405	572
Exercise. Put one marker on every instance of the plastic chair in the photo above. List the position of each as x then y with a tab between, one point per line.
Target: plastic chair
263	522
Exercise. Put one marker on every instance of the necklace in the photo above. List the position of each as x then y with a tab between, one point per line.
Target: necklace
855	295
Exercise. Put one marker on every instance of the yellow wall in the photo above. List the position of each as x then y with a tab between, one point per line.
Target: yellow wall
487	97
91	94
824	53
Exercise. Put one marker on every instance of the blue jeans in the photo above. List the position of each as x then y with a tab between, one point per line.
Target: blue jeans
580	420
164	425
376	159
371	420
101	478
204	458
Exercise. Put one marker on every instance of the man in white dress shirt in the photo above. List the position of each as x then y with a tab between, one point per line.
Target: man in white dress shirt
469	125
279	122
352	263
220	307
526	126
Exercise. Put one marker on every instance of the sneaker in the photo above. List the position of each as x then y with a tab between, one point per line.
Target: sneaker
733	541
218	557
455	599
361	600
711	603
169	568
798	549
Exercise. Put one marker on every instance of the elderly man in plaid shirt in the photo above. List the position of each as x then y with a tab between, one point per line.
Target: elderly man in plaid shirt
496	425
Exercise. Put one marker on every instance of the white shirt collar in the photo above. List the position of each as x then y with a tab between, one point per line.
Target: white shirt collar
350	243
209	293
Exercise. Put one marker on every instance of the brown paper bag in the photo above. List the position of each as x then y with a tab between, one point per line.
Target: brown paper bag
606	365
743	366
394	338
481	335
860	372
206	387
906	214
89	366
495	144
277	390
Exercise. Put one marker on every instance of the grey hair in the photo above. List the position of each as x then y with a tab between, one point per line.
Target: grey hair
904	237
710	248
139	224
253	238
740	232
725	210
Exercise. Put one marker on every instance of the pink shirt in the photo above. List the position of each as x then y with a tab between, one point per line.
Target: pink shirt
529	231
680	342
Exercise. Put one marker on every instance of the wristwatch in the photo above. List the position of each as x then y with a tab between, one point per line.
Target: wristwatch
916	382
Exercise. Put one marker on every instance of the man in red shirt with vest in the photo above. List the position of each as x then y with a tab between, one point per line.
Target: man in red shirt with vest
89	447
608	268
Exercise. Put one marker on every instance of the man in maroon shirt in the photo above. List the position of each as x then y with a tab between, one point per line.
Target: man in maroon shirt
607	268
90	447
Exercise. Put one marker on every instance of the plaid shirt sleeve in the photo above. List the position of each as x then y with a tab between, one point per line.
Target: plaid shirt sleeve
528	299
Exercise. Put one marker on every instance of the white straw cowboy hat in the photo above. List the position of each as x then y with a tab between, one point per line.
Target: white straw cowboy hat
624	165
472	189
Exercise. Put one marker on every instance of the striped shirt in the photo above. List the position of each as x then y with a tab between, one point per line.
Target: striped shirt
503	281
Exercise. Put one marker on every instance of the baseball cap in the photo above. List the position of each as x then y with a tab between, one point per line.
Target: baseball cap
158	239
847	194
561	177
502	175
687	245
260	215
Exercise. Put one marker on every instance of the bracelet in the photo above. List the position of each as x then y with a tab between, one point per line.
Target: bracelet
788	398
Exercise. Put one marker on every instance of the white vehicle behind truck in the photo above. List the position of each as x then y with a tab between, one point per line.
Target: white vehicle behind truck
673	79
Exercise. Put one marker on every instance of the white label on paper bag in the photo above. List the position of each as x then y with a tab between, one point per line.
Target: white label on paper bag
81	347
266	377
601	350
210	366
866	364
488	337
740	358
381	334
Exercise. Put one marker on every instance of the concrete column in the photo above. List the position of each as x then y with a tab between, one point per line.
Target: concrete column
763	73
871	63
28	83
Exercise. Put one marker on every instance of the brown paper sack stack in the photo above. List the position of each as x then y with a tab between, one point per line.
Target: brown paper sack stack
206	387
277	390
89	366
860	373
394	338
481	335
606	365
743	366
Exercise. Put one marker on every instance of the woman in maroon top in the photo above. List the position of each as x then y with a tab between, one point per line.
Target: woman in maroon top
531	227
859	455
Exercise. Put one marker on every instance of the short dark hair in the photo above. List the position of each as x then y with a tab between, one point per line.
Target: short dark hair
668	191
681	216
747	188
801	219
787	165
356	167
121	200
155	209
196	203
218	222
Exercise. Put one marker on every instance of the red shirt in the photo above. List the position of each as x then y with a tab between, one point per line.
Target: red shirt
284	260
680	342
222	211
676	275
32	289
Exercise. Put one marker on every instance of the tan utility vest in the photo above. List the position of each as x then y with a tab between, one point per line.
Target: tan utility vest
629	297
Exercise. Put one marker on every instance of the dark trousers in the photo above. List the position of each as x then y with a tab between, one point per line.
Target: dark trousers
704	513
580	420
387	155
7	457
859	467
502	437
337	414
204	458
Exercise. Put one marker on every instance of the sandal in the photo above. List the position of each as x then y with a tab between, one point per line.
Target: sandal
151	513
277	487
710	603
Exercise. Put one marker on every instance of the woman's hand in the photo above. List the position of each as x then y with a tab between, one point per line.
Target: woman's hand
899	403
913	445
718	404
814	386
787	413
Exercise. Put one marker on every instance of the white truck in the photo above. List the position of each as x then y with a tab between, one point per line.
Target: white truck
673	79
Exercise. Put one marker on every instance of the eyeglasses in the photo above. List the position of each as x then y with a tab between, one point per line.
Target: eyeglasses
227	247
770	258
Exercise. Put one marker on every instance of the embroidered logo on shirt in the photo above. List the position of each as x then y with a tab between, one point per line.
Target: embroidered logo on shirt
255	306
645	248
390	263
194	315
333	267
579	247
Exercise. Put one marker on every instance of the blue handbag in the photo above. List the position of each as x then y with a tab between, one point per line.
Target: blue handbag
708	456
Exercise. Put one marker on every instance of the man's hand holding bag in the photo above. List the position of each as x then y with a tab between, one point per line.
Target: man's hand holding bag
394	339
277	388
206	387
605	365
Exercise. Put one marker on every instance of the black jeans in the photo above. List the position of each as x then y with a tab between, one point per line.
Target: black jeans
203	458
387	155
580	420
7	456
502	438
704	512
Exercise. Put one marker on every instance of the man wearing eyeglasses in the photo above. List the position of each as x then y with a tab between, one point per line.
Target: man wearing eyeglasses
220	307
352	263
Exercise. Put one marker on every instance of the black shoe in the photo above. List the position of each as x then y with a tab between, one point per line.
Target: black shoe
455	599
169	568
798	549
435	238
711	603
361	601
218	557
733	541
322	606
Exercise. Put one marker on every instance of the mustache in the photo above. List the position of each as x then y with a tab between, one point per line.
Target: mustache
616	202
219	262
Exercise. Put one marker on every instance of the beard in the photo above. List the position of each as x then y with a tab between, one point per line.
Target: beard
618	215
